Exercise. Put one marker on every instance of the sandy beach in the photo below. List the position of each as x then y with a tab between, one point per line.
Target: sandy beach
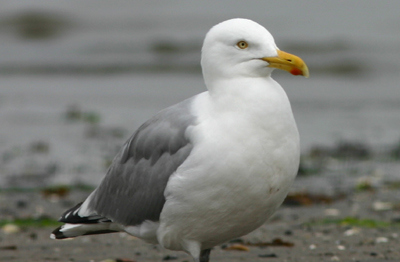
363	226
358	225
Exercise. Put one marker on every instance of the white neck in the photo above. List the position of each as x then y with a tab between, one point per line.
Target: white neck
261	94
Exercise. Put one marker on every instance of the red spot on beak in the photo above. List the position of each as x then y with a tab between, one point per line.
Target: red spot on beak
295	71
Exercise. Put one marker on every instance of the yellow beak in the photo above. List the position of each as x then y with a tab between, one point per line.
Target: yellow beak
288	62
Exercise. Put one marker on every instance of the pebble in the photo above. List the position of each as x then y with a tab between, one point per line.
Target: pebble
237	247
382	206
352	231
332	212
341	247
10	247
169	257
380	240
10	229
267	255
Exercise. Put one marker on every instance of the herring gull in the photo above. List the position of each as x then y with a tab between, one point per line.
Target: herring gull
211	168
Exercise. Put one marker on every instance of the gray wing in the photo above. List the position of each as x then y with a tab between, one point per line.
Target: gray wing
133	189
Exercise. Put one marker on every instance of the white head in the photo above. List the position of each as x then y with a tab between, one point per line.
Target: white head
243	48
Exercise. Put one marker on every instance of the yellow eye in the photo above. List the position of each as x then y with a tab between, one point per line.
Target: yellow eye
242	44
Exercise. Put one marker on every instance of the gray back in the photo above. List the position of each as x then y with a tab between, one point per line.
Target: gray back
133	189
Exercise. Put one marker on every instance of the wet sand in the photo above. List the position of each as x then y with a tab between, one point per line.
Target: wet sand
358	227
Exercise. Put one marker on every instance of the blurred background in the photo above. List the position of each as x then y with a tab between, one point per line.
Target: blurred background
78	77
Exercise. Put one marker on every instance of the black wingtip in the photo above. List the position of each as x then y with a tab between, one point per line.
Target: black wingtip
57	234
69	216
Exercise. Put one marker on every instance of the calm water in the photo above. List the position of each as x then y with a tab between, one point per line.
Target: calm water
124	61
